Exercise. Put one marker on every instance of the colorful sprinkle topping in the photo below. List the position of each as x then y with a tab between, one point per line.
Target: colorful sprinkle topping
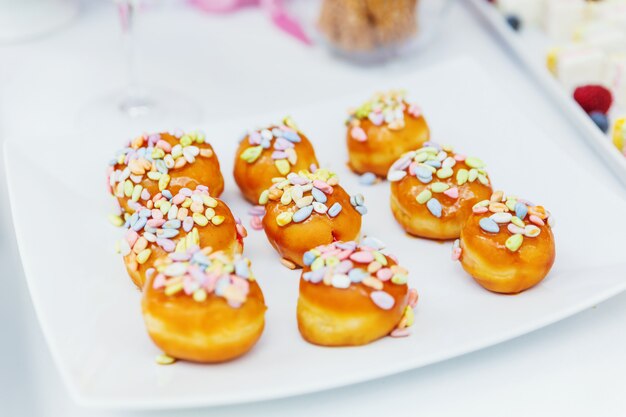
342	264
281	138
166	217
307	192
383	108
434	165
200	272
522	219
619	134
152	157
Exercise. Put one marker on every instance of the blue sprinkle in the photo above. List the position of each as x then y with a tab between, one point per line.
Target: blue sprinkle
360	200
241	269
277	133
221	285
133	218
302	214
372	242
353	200
433	163
200	258
171	224
167	194
363	210
160	166
423	172
265	144
291	136
434	206
357	275
521	210
168	233
346	245
150	229
317	275
139	224
488	225
334	210
367	179
319	195
425	180
307	276
308	258
144	212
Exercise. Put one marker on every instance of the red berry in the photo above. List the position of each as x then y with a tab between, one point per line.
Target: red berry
594	98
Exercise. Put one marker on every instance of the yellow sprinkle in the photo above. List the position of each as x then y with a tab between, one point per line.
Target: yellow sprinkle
206	153
209	201
128	188
409	315
282	165
164	359
284	218
399	279
136	192
186	140
217	220
200	219
174	288
209	213
158	153
514	242
317	264
143	256
116	220
164	182
194	236
380	258
264	197
154	175
285	199
199	295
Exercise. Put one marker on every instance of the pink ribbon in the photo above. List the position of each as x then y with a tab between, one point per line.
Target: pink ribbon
275	9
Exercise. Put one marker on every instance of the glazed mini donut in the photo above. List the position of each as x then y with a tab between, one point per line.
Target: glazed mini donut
433	190
271	152
153	163
169	222
309	209
507	244
203	306
381	130
353	294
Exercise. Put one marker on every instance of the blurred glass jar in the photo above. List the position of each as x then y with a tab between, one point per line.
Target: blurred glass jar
371	31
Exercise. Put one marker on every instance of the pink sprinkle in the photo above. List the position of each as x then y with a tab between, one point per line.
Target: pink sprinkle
131	237
400	332
322	186
156	214
254	138
515	229
452	192
456	254
480	209
168	245
358	133
155	223
256	211
414	110
241	231
241	284
159	281
279	155
344	254
256	223
362	257
178	199
189	285
459	157
413	296
211	279
145	194
164	145
187	224
376	117
535	219
382	299
384	274
412	168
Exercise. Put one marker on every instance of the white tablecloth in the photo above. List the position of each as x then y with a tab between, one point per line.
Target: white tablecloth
238	65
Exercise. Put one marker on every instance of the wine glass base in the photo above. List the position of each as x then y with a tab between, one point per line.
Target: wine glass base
119	114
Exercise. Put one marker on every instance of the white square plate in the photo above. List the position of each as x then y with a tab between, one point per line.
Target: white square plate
90	313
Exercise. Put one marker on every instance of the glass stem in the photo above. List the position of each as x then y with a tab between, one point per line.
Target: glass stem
134	102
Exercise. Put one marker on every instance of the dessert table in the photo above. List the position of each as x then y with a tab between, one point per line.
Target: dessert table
237	65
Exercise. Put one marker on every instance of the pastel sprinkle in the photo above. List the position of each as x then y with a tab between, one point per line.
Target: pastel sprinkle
382	299
284	218
302	214
335	209
286	262
439	187
514	242
488	225
452	193
434	206
367	178
164	359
